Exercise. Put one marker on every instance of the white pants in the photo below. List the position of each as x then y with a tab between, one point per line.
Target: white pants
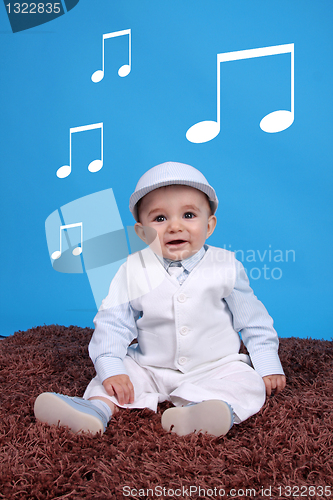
231	379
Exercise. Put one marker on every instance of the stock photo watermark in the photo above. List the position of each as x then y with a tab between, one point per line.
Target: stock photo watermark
269	492
264	264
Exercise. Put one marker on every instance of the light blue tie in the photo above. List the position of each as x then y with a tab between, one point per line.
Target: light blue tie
175	269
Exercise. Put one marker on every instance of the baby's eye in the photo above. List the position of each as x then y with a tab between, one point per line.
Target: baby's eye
160	218
189	215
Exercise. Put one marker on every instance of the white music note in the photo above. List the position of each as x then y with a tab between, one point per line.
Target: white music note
126	68
95	165
273	122
78	250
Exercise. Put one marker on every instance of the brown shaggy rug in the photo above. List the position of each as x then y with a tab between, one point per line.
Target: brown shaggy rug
285	451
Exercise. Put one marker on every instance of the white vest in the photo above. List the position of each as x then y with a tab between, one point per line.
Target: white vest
182	326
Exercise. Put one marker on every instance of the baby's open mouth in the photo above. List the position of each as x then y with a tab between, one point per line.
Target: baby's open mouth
176	242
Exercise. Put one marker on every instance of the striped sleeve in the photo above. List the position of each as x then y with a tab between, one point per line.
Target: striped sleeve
255	325
115	328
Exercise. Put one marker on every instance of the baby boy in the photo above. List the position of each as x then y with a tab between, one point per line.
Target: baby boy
185	303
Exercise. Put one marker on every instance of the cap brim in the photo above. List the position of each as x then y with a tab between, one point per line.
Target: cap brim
137	195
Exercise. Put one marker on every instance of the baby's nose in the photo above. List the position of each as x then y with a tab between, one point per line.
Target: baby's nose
175	225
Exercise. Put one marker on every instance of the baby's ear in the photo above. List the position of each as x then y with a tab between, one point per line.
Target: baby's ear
147	234
138	228
211	225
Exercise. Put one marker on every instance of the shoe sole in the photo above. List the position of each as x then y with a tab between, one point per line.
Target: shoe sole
213	417
53	410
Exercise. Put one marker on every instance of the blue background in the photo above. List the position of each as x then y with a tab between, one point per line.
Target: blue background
274	189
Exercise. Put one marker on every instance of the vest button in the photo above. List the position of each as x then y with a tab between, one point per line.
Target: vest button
184	330
182	360
181	297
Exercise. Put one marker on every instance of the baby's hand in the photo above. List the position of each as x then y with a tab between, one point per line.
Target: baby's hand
121	387
274	383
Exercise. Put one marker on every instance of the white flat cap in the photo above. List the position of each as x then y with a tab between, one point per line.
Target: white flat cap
167	174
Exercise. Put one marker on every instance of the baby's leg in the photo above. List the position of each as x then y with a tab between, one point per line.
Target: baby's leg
113	408
235	384
146	392
93	412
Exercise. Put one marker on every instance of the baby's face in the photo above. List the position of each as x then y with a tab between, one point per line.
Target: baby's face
182	218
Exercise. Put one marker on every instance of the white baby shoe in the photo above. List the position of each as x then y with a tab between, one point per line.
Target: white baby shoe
76	413
213	416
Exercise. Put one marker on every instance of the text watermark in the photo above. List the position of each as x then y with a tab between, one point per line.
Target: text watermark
269	492
264	264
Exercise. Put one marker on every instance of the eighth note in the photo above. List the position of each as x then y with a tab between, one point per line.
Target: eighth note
95	165
78	250
273	122
126	68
